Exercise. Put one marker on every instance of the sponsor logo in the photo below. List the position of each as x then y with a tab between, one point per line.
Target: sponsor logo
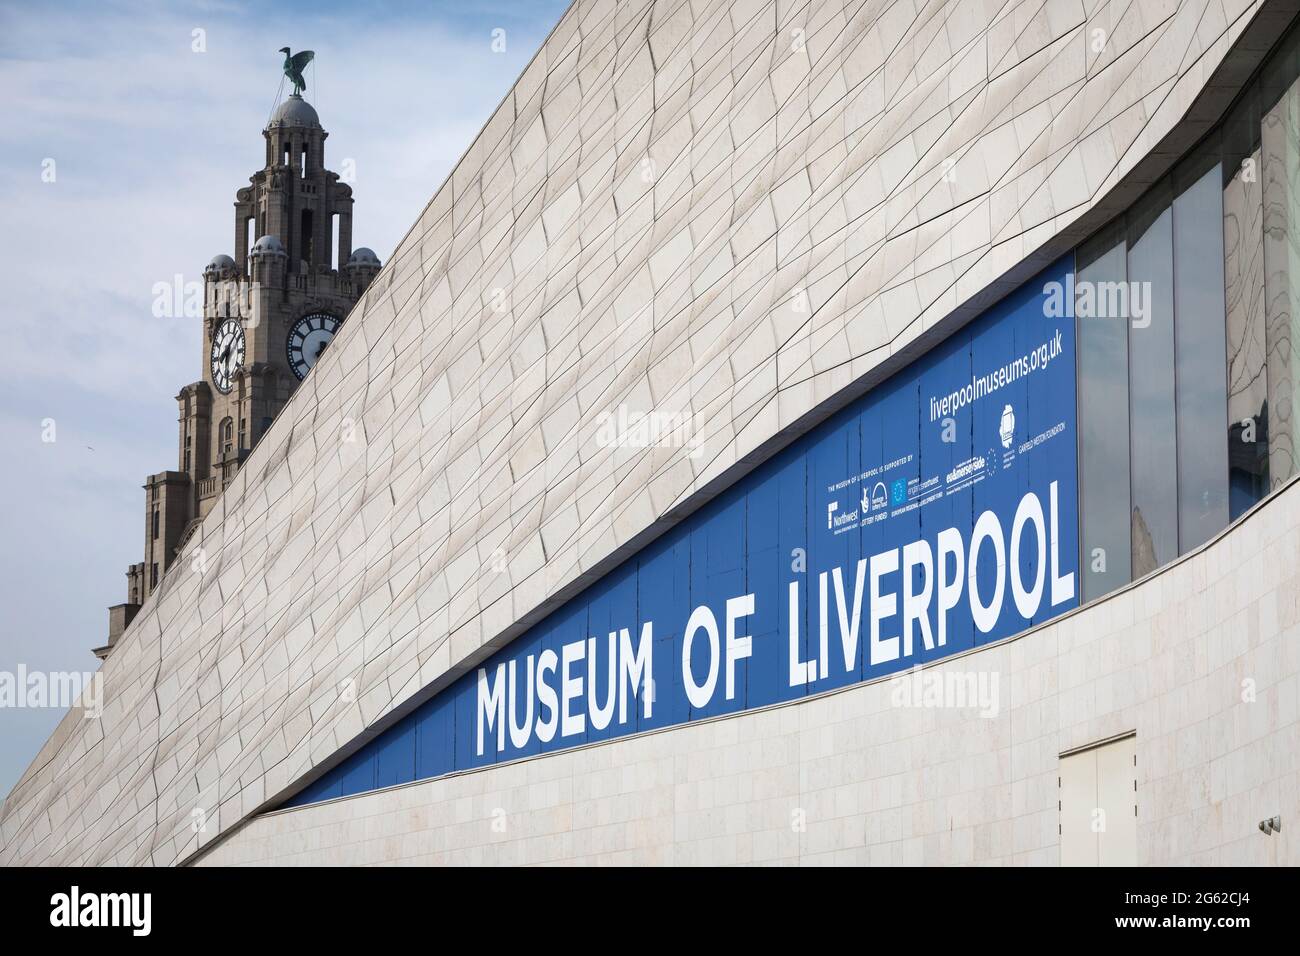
1007	427
879	496
967	468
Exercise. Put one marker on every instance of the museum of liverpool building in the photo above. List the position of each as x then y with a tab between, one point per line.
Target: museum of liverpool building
840	432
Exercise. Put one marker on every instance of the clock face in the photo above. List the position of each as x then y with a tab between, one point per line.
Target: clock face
307	340
227	353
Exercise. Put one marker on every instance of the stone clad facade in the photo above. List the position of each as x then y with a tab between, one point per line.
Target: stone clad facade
745	213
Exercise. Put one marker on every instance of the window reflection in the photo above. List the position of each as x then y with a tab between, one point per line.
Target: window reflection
1209	260
1152	434
1243	284
1200	356
1280	153
1102	345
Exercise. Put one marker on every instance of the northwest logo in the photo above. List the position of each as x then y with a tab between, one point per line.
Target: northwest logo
834	520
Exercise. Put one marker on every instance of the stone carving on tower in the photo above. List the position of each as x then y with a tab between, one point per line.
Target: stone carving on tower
268	314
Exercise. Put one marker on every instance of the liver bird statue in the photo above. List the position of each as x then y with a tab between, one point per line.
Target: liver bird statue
293	67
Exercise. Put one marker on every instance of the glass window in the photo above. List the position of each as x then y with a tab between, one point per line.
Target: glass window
1200	353
1103	416
1280	150
1152	446
1243	283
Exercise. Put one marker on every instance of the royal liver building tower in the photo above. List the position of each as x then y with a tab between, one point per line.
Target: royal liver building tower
268	313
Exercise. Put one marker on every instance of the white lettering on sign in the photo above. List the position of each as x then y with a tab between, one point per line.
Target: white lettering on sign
907	595
572	702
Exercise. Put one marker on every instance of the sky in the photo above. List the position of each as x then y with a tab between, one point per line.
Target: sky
128	126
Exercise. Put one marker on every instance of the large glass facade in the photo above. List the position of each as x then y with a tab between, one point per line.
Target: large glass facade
1189	376
1153	378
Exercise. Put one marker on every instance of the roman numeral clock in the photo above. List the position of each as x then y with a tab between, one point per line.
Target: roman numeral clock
307	341
227	354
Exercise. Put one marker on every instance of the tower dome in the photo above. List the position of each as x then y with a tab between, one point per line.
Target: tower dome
362	256
220	264
294	111
267	246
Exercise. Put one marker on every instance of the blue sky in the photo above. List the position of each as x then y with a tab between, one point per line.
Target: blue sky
149	141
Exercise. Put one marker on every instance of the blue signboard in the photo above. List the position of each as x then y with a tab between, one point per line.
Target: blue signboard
933	515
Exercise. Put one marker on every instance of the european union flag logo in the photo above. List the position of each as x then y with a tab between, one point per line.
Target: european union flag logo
898	491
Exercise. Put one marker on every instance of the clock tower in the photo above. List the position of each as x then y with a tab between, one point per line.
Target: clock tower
268	314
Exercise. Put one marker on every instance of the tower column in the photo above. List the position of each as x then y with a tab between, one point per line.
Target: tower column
345	232
244	211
